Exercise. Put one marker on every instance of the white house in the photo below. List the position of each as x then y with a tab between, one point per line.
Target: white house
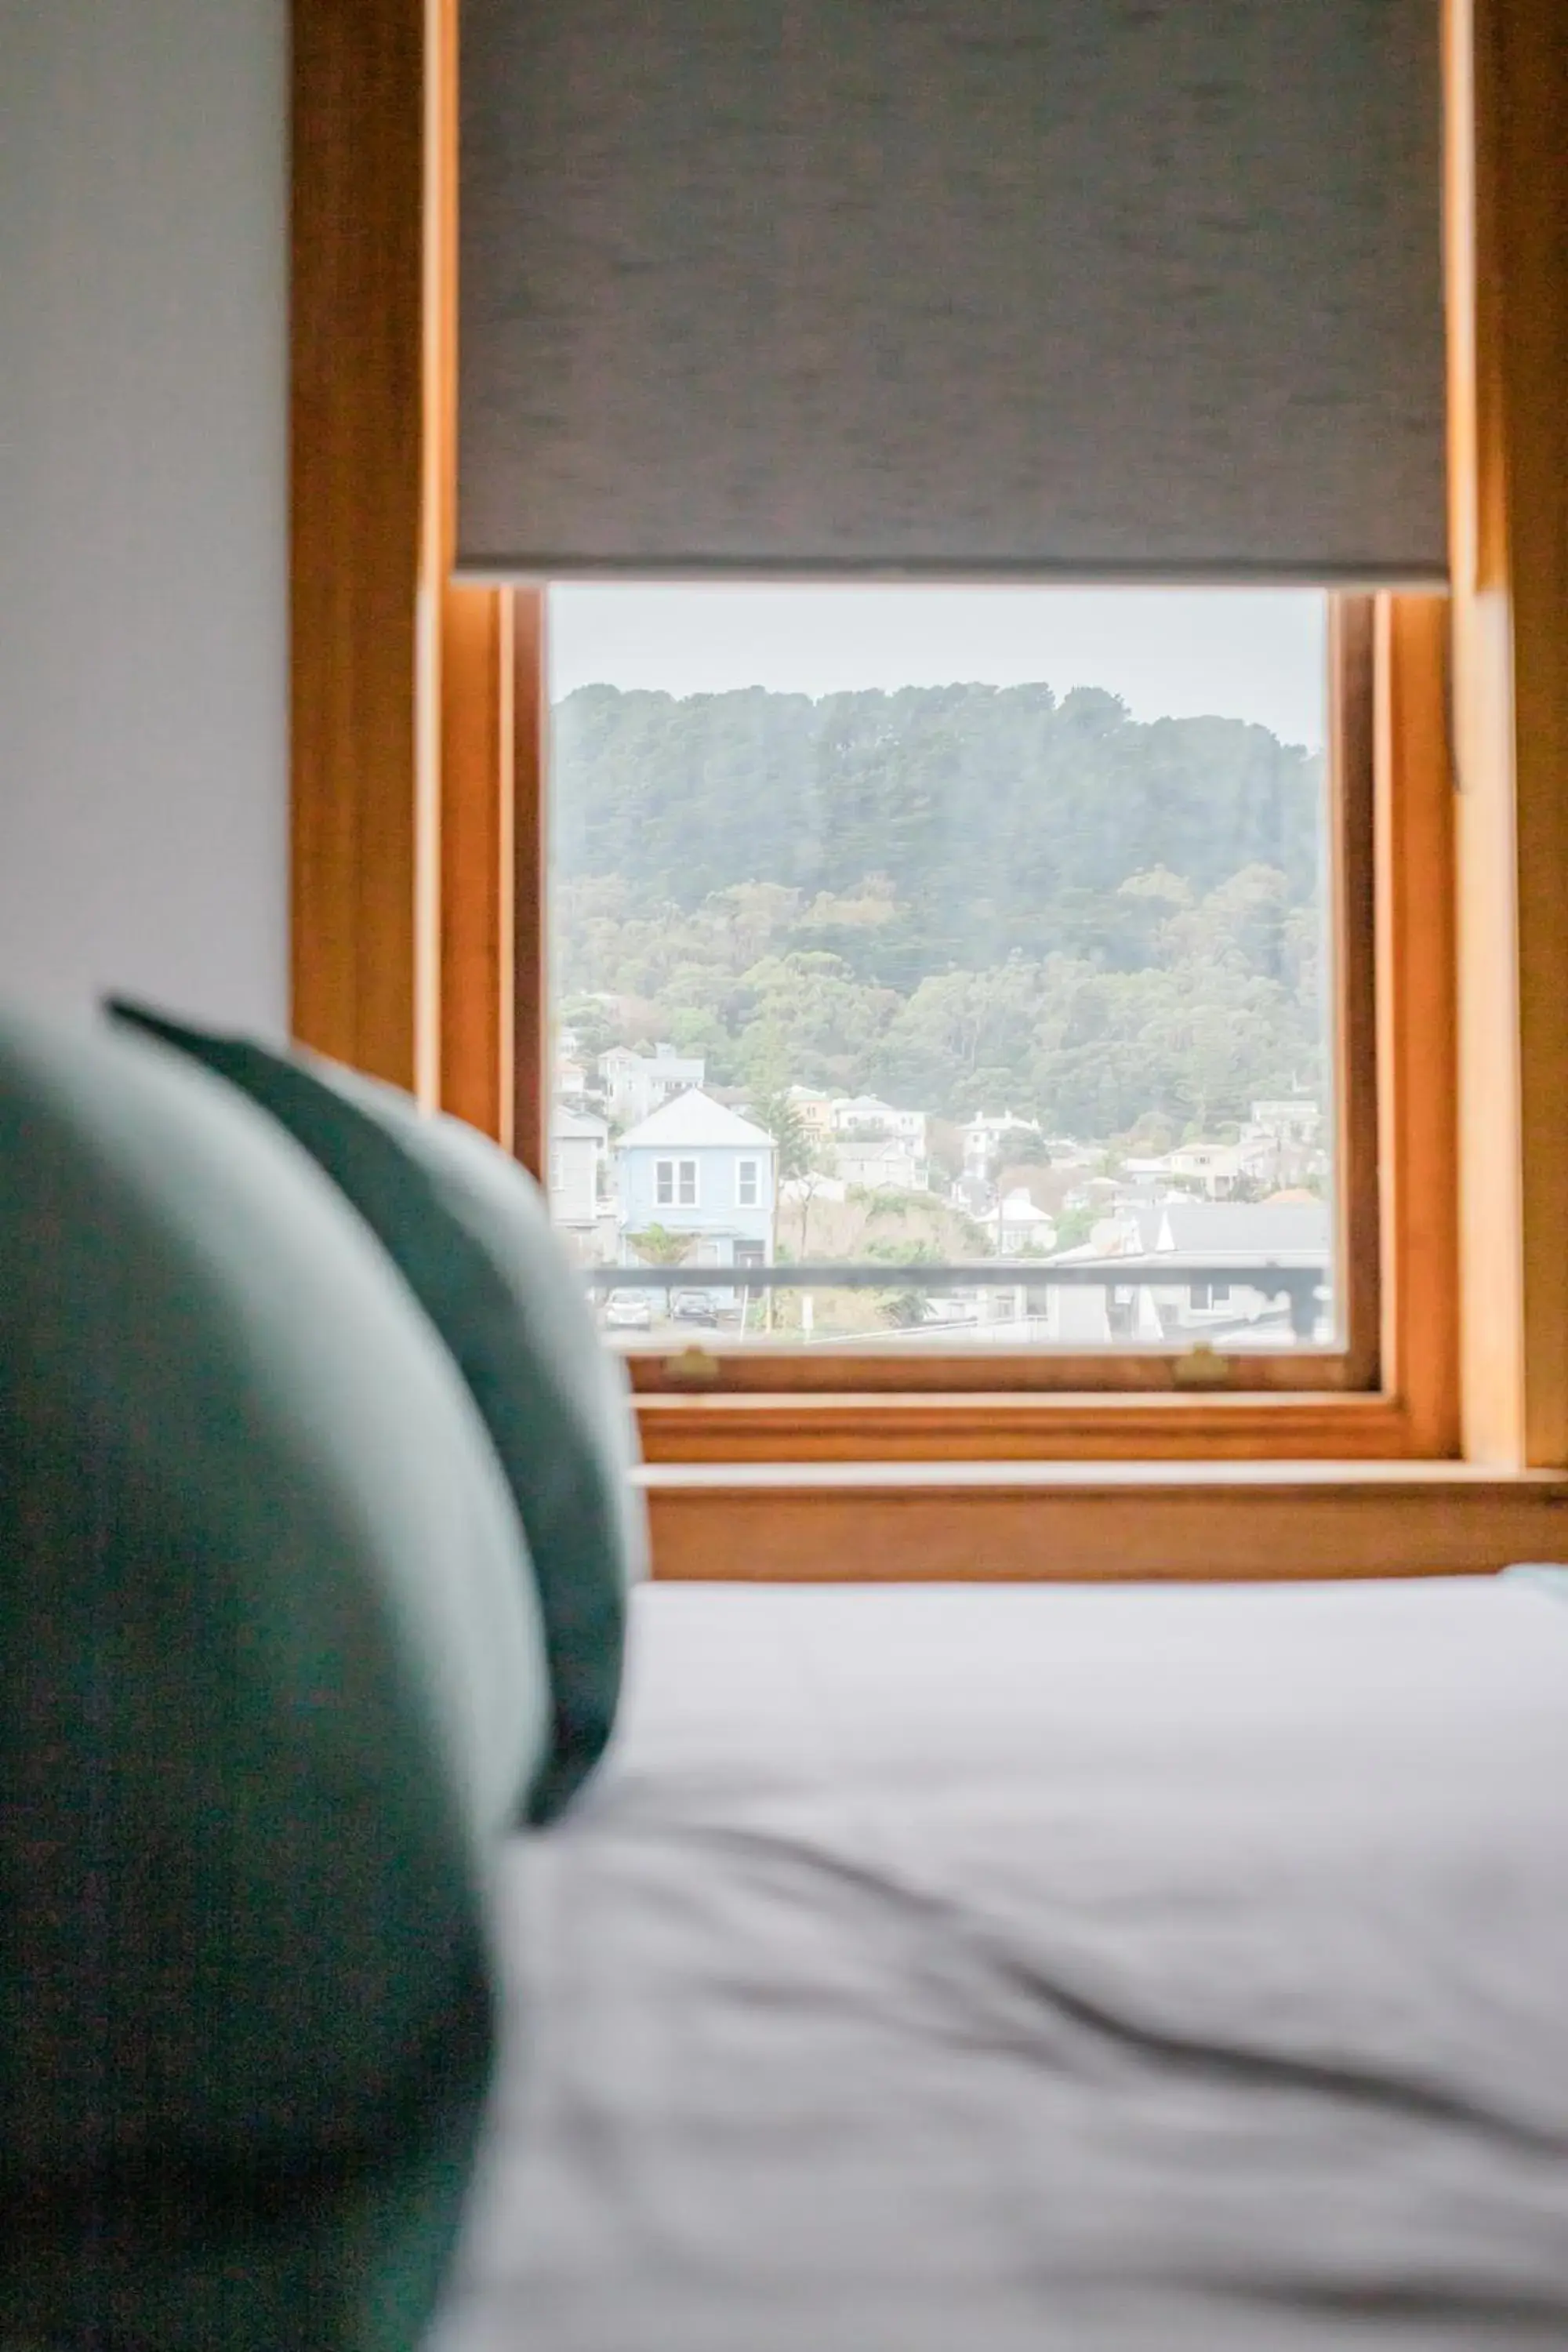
1293	1119
881	1163
694	1167
1215	1235
1021	1225
877	1146
1192	1246
1283	1142
983	1133
1279	1145
869	1115
1213	1168
636	1084
578	1145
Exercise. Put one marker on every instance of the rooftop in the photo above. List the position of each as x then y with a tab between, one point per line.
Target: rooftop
694	1119
576	1125
663	1058
1258	1229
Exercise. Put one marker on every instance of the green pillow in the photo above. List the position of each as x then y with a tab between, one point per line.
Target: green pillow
271	1684
470	1233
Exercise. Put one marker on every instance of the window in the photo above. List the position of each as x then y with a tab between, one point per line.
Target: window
555	1168
1041	988
675	1183
416	958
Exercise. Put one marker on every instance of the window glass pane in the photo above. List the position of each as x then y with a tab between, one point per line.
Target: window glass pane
974	939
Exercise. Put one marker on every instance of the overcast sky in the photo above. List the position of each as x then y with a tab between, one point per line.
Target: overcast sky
1168	652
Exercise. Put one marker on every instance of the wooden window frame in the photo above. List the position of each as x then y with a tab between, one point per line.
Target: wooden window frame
418	851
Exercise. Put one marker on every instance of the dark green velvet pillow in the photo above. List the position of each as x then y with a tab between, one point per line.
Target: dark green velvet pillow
472	1235
271	1684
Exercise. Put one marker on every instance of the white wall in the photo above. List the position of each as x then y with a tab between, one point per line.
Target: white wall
142	503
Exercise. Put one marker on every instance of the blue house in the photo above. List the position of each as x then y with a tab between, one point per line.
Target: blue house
693	1167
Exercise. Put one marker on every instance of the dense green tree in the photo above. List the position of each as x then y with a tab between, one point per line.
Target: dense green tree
962	898
775	1114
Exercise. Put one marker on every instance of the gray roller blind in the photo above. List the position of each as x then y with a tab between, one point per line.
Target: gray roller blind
1054	289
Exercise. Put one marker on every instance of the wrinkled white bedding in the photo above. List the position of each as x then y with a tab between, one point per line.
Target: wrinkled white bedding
1007	1968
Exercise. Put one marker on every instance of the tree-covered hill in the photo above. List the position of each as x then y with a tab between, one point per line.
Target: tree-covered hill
949	895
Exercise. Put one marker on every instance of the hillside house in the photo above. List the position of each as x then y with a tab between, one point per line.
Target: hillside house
636	1084
982	1138
571	1067
881	1163
1214	1168
1284	1140
1021	1225
579	1144
1279	1145
694	1167
1294	1119
869	1115
814	1112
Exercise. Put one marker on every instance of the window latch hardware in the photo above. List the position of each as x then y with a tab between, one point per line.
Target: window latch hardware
1201	1367
693	1367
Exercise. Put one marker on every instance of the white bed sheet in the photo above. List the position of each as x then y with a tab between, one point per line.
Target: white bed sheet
1006	1968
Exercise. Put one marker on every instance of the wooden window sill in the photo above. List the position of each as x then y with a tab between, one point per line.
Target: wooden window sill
1022	1521
1107	1425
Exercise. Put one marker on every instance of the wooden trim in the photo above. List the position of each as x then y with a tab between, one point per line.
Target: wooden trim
1417	1106
529	989
1026	1372
438	475
358	429
476	865
1108	1426
403	685
1490	1122
1508	293
1109	1523
505	974
1352	889
1530	179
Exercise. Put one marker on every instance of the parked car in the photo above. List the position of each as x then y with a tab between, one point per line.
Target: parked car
628	1310
693	1307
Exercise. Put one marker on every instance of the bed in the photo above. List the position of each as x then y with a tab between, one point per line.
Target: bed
1015	1968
